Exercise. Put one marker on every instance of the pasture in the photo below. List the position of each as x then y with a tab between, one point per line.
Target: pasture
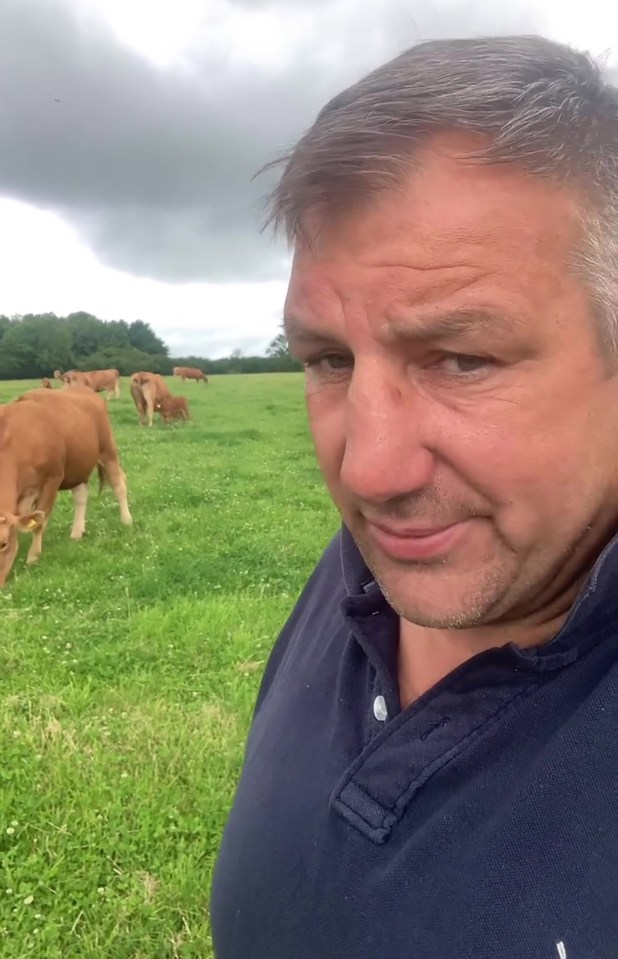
129	664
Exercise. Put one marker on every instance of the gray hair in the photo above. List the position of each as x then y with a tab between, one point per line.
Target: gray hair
541	104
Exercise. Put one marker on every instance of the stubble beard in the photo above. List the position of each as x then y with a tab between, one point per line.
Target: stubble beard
483	600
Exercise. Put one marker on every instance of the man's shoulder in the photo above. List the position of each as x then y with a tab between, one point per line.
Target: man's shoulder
315	613
327	574
324	586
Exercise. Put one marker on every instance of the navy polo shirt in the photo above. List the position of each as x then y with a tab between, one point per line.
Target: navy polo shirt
481	822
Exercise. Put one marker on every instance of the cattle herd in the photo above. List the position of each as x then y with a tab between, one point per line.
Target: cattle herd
52	440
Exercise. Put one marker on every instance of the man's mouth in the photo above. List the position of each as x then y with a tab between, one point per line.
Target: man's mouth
416	542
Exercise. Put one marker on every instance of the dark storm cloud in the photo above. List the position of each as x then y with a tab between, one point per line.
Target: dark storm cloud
154	166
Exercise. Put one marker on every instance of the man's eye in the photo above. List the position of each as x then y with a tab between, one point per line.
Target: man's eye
329	363
462	364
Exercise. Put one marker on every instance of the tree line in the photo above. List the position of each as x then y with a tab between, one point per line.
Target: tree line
36	344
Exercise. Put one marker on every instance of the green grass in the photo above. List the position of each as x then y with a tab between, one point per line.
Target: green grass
129	664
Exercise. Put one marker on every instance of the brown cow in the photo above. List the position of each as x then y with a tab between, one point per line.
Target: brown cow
73	378
46	383
147	390
189	373
100	381
173	408
51	440
70	376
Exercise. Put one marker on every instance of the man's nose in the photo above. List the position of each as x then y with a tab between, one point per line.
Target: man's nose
386	426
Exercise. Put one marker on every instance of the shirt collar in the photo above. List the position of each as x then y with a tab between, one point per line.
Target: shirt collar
356	574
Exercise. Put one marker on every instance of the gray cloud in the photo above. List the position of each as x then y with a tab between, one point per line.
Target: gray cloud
154	166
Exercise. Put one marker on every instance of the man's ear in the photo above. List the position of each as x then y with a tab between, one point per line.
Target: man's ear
31	522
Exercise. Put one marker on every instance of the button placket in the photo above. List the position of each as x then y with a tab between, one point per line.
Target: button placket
377	788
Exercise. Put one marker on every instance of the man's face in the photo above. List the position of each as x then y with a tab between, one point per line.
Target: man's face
460	404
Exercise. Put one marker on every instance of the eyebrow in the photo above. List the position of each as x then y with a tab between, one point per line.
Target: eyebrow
300	332
460	322
427	328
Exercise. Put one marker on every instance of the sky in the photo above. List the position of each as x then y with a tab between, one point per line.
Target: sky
131	131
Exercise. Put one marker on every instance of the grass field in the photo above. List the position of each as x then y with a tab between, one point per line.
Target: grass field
129	664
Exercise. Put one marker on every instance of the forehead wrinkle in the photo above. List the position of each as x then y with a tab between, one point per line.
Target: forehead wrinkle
311	306
395	309
413	267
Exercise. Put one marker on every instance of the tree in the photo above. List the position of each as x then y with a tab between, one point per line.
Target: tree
235	364
5	324
279	346
35	346
88	332
142	337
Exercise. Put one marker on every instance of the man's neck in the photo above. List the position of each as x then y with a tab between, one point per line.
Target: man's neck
428	655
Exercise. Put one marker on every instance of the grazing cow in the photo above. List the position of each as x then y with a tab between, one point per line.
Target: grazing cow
52	440
100	381
70	377
46	383
147	390
173	408
189	373
74	378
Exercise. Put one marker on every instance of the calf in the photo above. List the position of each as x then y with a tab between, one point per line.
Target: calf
173	408
52	440
147	390
46	383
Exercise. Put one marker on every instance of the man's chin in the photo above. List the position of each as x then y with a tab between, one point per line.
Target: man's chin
437	596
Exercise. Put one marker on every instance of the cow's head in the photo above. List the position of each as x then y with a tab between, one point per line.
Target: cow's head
10	525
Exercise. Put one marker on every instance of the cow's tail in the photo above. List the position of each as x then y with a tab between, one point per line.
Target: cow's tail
102	477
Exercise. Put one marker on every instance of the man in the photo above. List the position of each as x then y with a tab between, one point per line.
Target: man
432	767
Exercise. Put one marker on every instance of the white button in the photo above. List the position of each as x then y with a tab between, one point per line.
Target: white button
379	709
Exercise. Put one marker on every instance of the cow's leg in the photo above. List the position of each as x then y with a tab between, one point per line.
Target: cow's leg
45	502
80	501
118	482
140	406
